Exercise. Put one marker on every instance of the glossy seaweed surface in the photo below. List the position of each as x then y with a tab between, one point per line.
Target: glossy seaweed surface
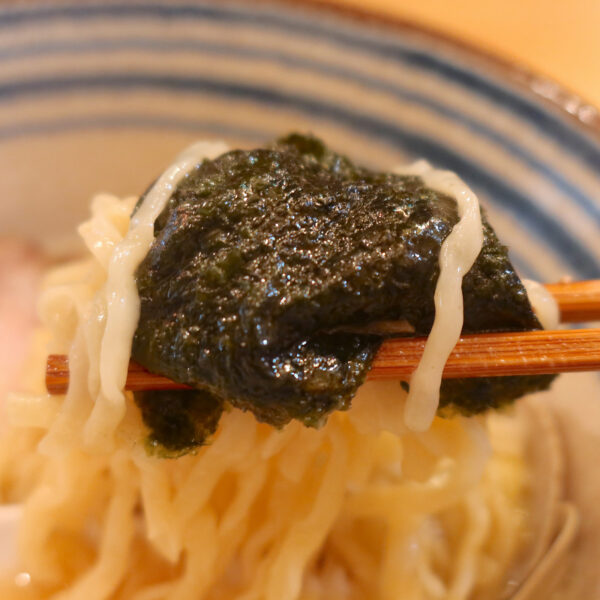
261	259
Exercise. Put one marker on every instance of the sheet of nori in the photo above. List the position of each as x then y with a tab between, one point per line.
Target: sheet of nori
261	255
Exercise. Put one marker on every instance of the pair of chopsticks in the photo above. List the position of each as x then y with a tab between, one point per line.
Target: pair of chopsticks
478	355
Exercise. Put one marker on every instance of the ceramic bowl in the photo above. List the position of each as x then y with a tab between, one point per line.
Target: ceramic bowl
99	96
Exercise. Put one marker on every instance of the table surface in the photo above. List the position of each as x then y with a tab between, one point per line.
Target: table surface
556	38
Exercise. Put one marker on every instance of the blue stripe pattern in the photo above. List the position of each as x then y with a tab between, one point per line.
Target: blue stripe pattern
506	143
547	122
133	121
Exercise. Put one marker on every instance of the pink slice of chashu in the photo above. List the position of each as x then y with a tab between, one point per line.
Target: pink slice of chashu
20	274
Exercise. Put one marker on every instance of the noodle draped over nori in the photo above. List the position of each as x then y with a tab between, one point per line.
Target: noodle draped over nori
262	258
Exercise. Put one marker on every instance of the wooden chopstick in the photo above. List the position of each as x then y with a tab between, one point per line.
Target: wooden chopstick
480	355
578	301
497	354
138	378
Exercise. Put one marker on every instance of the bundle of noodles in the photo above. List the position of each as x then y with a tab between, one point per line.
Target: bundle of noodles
362	507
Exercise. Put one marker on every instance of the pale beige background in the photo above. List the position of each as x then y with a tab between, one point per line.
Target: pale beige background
557	38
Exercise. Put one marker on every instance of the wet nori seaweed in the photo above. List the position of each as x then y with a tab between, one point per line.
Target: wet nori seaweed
260	254
179	420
